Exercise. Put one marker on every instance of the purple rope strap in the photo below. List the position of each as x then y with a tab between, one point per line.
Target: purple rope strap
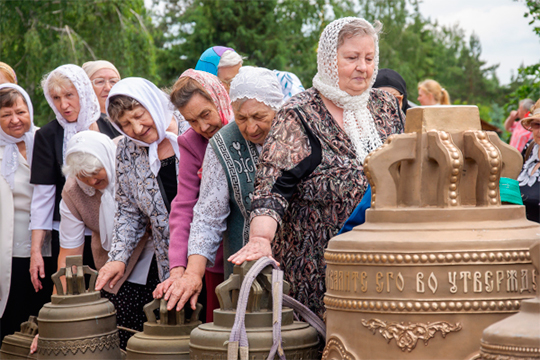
307	314
277	297
238	339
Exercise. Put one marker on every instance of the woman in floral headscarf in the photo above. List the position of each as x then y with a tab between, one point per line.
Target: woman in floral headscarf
205	104
69	92
310	176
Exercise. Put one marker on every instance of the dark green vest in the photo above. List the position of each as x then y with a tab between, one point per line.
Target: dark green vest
239	159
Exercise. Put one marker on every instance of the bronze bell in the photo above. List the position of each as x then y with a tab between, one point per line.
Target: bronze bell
77	324
166	338
209	341
17	346
439	258
517	337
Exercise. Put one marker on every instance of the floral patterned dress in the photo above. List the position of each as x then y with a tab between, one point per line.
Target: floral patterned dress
310	181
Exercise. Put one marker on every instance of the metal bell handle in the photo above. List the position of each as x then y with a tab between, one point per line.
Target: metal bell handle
149	310
162	305
75	283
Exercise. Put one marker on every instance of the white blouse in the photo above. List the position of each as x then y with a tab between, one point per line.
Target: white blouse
22	197
212	209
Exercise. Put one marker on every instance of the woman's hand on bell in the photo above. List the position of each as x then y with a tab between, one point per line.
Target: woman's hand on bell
163	287
110	272
187	288
256	248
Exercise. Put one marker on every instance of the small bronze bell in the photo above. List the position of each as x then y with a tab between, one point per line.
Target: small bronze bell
17	346
166	338
210	341
78	324
518	336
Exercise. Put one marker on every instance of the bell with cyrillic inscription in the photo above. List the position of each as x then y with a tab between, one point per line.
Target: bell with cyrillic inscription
439	258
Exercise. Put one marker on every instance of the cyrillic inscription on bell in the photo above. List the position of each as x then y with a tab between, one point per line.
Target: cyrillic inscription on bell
77	323
439	258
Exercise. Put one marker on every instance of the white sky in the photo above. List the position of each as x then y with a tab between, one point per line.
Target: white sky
506	37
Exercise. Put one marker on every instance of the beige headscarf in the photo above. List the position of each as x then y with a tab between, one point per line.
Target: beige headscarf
91	67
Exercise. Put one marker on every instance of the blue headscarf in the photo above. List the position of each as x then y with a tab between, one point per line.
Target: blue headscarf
209	59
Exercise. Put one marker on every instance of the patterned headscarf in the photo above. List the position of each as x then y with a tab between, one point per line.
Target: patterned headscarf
10	162
157	103
209	60
215	89
88	101
357	120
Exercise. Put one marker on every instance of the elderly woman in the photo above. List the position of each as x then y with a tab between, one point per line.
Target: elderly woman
222	212
205	104
7	74
528	179
222	62
146	181
16	143
310	175
431	92
103	76
70	94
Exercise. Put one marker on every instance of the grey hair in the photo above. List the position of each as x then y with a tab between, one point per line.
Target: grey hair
359	27
81	164
526	104
237	104
230	58
56	82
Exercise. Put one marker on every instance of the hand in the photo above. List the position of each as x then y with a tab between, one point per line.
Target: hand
256	248
37	270
33	346
110	272
188	287
514	115
161	289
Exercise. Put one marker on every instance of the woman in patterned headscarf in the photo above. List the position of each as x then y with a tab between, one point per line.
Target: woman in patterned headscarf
70	94
203	101
310	176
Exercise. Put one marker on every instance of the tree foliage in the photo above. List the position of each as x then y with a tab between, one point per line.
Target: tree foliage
38	36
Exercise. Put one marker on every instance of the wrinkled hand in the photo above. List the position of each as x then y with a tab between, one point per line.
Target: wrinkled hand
514	114
33	346
256	248
188	287
161	289
37	270
110	272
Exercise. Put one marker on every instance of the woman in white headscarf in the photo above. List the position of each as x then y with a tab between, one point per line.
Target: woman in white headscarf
310	176
146	182
70	94
221	214
88	199
16	143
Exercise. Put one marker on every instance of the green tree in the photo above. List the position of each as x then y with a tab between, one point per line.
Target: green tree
38	36
275	34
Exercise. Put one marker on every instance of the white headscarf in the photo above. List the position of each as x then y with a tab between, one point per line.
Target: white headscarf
357	120
157	103
89	112
103	148
10	162
257	83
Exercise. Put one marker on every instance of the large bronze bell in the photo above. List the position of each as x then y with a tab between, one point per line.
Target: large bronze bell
166	338
439	258
77	324
209	341
17	346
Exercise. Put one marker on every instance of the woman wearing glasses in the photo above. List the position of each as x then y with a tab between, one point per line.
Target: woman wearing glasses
103	76
529	183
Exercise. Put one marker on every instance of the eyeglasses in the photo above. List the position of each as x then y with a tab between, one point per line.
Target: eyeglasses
100	82
535	125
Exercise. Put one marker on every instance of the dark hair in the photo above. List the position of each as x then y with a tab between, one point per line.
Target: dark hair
8	97
119	104
184	89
